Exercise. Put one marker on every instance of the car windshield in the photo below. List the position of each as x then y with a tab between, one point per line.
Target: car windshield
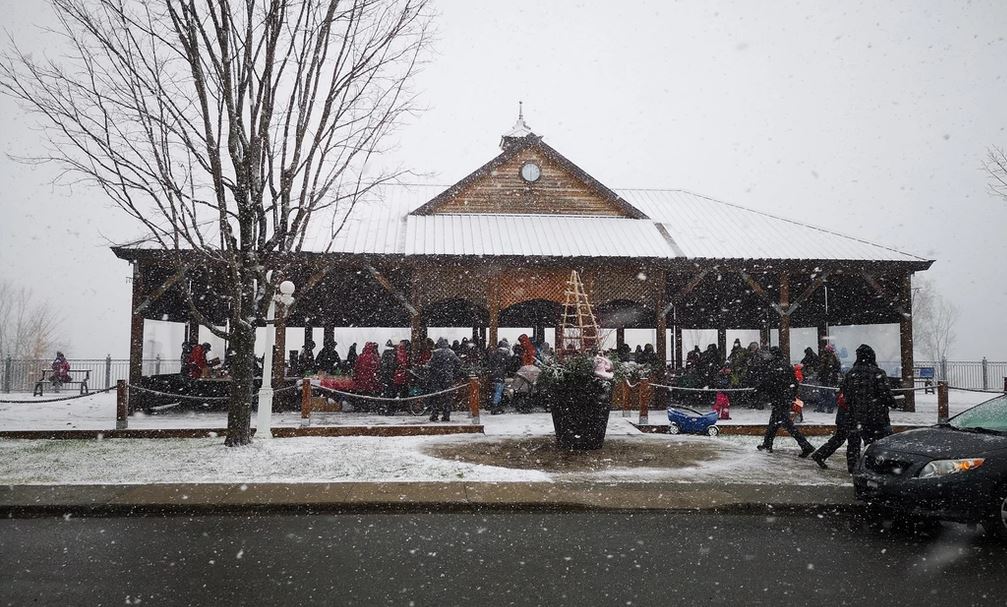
990	415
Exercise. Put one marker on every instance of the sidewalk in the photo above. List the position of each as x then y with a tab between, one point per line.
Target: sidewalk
21	500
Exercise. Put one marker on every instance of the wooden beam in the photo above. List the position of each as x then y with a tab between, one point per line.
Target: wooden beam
161	290
880	290
906	339
761	292
135	337
402	299
688	288
661	324
817	284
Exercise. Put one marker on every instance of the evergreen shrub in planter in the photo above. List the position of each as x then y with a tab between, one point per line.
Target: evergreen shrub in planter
578	402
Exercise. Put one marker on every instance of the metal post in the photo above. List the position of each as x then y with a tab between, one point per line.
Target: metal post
108	370
942	402
8	368
474	399
986	382
264	416
121	405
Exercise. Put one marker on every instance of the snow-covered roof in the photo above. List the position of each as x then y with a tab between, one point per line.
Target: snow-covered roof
678	225
703	227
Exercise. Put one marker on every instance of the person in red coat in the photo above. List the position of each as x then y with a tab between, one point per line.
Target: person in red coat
528	351
60	371
365	371
400	379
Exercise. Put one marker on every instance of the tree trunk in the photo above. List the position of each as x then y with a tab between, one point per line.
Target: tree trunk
242	368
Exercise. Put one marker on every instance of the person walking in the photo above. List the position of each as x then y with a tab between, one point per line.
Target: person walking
868	398
840	436
779	388
445	368
499	361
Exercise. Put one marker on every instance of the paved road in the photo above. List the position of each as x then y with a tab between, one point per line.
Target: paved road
492	559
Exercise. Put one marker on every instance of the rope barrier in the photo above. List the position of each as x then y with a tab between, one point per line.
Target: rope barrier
56	400
386	399
169	394
684	389
631	386
972	390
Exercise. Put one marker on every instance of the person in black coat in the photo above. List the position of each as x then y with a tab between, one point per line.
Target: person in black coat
351	358
499	362
386	372
868	398
328	358
445	369
779	388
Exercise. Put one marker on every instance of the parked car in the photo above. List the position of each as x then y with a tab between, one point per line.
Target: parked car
955	471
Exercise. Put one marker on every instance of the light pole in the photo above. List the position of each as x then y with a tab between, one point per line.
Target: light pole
262	427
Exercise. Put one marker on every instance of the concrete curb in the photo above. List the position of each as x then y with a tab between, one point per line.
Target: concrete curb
114	500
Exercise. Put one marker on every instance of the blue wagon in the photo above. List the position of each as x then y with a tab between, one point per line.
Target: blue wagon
690	421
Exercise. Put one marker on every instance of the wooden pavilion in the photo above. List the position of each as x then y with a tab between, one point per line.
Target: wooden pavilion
496	249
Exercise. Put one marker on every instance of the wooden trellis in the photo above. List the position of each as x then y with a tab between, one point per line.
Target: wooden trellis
580	327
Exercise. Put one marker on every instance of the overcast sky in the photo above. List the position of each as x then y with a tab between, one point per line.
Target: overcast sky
871	119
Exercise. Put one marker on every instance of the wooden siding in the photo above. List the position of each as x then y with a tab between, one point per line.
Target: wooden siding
557	192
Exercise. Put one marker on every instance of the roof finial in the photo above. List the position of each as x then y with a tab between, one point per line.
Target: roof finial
520	129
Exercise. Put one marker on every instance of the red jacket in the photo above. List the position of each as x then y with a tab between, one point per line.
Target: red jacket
401	376
197	362
365	372
527	350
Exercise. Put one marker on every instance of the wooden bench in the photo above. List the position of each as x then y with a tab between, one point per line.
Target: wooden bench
77	376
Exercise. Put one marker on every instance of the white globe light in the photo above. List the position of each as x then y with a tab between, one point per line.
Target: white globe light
287	287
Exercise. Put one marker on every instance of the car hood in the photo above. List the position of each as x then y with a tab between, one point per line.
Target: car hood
939	442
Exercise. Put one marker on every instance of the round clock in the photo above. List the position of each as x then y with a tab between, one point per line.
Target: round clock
530	172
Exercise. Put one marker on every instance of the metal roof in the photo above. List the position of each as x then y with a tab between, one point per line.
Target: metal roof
679	225
703	227
533	235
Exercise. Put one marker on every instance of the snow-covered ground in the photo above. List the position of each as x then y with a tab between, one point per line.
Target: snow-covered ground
374	459
98	413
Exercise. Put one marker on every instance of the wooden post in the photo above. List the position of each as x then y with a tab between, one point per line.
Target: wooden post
784	315
121	405
474	399
309	334
494	310
620	397
906	339
643	394
136	329
722	342
942	402
416	336
661	325
305	399
620	337
764	337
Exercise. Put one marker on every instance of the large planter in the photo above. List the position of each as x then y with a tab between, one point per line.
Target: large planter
580	420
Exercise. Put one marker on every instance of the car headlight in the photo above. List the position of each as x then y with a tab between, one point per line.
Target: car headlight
944	467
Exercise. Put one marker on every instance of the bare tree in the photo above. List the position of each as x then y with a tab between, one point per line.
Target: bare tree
995	166
226	128
27	326
934	320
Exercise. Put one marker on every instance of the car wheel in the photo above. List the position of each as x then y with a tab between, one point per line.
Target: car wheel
996	523
674	428
712	430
